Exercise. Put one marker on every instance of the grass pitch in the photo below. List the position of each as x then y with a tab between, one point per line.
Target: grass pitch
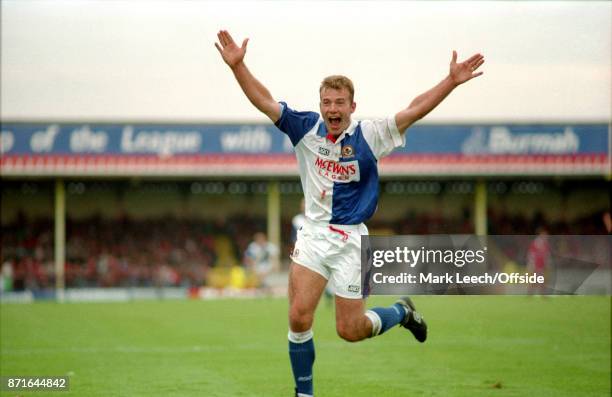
478	346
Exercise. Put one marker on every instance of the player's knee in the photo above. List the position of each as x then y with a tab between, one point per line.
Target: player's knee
300	319
347	332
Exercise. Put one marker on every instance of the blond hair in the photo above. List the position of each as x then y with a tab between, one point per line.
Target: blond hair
337	82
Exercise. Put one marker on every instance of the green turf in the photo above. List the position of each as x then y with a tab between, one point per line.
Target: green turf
557	346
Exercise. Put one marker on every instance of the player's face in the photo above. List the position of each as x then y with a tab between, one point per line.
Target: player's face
336	109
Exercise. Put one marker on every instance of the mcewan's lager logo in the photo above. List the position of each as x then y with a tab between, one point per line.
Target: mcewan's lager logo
338	172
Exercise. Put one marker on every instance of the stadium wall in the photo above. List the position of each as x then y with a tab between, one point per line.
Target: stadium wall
258	150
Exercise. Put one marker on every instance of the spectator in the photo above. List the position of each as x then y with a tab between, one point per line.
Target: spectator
260	257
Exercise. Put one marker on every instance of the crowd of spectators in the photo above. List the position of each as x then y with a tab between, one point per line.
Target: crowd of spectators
168	251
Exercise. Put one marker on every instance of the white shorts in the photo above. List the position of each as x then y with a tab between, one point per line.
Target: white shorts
333	251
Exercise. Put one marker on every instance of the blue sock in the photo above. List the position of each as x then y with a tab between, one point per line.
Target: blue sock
302	355
383	318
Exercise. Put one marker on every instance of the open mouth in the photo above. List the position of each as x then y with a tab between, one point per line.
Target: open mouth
334	122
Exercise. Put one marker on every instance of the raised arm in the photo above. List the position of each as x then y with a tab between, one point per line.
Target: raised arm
257	93
458	74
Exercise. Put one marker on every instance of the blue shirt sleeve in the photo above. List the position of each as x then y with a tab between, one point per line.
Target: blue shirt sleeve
296	124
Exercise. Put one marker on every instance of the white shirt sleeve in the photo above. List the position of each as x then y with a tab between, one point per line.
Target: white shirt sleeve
382	135
272	249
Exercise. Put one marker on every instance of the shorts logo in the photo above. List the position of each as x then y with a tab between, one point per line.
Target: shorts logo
347	151
353	288
323	151
295	253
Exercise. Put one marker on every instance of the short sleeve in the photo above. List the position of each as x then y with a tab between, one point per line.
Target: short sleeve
272	250
296	124
382	135
250	251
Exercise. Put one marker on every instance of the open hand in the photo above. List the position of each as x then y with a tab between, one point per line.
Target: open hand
231	53
466	70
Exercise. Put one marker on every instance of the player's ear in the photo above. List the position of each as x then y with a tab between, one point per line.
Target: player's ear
353	107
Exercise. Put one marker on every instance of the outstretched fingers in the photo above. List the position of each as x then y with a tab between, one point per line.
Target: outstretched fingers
475	65
227	37
224	38
219	48
221	38
478	63
474	58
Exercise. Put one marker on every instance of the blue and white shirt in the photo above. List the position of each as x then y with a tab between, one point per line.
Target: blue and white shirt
339	179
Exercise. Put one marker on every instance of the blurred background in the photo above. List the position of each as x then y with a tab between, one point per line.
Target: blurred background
131	162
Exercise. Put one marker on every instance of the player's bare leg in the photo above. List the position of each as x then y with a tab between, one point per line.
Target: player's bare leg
352	324
305	290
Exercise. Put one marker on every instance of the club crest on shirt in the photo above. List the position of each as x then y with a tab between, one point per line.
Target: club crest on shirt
347	151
